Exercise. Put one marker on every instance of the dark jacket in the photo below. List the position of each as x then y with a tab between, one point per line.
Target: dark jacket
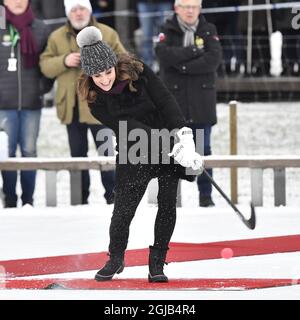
21	89
190	72
45	9
151	107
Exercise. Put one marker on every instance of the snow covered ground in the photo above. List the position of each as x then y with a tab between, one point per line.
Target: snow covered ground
263	129
29	233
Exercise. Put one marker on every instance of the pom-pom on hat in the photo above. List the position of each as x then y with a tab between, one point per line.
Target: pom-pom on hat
95	55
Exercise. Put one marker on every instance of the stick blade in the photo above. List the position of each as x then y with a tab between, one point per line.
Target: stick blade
251	223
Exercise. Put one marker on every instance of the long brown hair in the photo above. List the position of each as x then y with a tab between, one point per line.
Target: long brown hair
128	68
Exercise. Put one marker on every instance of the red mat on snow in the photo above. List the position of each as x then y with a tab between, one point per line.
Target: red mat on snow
143	284
179	252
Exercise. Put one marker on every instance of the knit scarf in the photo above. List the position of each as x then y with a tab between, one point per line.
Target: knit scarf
117	88
29	48
189	31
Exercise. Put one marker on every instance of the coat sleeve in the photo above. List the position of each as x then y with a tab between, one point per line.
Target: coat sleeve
171	56
52	64
208	61
100	113
164	101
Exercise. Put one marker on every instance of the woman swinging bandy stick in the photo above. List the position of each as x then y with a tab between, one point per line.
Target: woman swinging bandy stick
124	89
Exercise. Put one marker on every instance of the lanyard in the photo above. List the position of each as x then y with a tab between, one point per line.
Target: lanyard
14	35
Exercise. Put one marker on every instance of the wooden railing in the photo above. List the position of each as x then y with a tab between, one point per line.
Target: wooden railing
52	165
74	165
258	84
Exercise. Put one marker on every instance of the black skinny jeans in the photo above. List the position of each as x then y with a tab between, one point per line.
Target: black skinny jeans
131	184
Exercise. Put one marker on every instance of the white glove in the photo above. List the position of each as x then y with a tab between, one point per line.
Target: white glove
184	151
186	156
185	136
198	163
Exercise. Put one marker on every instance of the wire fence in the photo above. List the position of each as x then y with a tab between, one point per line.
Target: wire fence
245	33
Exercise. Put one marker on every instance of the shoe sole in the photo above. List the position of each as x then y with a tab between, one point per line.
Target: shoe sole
158	278
108	278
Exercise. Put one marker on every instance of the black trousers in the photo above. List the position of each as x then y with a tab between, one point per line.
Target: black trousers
131	184
78	142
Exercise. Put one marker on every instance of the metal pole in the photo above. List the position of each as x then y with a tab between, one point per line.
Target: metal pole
233	150
270	27
249	38
269	19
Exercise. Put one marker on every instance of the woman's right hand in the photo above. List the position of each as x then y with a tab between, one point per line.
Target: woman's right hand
186	156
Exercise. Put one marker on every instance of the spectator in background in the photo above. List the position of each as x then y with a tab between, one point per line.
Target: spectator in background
61	60
20	92
189	53
104	6
45	9
152	15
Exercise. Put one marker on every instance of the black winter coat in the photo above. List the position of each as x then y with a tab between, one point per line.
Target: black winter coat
22	89
190	72
151	107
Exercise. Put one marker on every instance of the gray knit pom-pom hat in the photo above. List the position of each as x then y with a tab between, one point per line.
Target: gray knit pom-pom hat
95	55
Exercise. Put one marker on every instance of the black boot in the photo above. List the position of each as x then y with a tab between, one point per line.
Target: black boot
157	258
206	201
9	203
114	265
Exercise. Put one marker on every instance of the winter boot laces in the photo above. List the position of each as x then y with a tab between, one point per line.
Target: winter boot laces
157	258
114	265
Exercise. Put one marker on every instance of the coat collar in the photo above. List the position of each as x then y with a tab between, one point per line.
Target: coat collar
172	23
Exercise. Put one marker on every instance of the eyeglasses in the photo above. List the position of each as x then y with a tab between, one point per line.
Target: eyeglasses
187	7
